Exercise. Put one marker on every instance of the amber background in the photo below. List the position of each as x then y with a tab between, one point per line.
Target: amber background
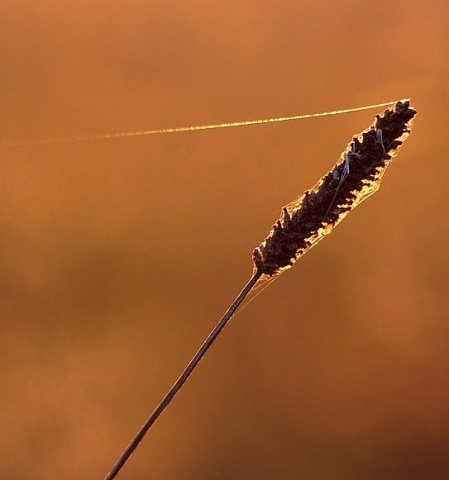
118	256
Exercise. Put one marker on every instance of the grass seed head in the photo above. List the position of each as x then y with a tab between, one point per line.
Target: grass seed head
357	175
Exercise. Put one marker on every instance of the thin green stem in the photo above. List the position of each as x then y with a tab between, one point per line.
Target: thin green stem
183	377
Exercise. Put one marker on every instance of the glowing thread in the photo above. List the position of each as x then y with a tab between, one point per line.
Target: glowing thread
193	128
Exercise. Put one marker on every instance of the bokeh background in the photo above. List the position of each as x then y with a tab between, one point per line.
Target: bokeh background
119	256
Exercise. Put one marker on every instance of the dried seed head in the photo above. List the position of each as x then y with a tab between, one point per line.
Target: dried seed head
354	178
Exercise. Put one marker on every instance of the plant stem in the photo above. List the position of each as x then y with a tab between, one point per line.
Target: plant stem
183	377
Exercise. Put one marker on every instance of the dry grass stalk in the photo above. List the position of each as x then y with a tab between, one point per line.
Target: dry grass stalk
304	223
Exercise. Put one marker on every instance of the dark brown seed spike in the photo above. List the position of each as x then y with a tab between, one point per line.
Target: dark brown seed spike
357	175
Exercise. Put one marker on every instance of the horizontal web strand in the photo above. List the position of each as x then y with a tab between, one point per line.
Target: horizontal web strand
193	128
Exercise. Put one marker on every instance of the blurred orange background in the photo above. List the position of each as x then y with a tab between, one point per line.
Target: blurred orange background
119	256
